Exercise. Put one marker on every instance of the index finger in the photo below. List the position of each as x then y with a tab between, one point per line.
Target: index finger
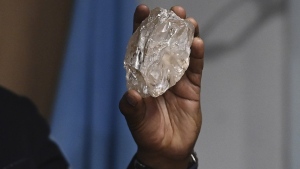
180	11
141	13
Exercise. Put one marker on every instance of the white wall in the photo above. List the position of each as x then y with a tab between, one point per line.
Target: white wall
243	94
294	86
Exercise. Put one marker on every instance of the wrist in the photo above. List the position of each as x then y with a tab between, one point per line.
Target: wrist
158	161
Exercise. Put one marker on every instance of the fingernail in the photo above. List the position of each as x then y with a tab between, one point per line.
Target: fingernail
131	100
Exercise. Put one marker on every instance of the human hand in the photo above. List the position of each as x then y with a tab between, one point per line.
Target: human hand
166	128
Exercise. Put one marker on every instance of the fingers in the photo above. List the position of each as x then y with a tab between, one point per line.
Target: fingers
194	72
196	57
131	105
194	22
197	48
178	10
141	12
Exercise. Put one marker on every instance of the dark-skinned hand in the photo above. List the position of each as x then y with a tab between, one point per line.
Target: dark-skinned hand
166	128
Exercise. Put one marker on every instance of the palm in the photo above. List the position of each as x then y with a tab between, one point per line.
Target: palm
172	121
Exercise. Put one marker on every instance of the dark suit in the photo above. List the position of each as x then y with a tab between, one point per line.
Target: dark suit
24	136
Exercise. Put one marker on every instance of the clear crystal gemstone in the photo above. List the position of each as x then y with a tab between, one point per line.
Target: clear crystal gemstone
158	53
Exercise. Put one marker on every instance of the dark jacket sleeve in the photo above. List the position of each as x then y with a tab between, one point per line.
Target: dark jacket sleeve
24	136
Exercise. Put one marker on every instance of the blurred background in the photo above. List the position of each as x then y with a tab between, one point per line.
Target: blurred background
67	57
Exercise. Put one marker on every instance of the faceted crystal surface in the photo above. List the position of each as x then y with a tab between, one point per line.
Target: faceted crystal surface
158	53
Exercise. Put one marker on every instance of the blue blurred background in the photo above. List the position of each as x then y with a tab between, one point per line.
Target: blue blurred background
86	122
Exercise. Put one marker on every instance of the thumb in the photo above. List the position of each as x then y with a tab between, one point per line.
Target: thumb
132	107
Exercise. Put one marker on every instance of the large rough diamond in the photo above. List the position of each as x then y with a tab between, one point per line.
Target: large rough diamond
158	53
